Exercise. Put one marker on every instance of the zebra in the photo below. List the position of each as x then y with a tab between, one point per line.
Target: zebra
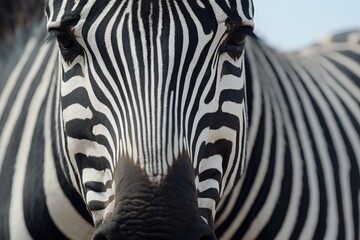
121	120
41	151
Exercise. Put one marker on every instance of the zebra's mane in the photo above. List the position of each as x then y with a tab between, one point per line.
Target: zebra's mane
15	14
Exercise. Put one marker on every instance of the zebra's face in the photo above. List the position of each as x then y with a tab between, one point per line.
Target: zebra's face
153	107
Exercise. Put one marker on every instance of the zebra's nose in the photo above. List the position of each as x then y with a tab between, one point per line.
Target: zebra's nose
147	211
112	231
204	233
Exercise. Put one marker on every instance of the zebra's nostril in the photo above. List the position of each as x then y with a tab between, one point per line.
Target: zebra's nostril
99	236
208	237
201	232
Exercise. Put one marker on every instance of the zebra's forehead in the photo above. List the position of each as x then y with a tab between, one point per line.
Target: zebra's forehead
58	10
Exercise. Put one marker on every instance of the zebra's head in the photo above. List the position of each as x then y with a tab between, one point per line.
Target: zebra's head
152	110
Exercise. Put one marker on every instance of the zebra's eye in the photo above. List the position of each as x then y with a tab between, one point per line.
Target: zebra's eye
235	42
65	40
68	45
236	38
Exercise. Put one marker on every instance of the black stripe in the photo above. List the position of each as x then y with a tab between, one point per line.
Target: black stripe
99	205
230	69
97	186
245	6
98	163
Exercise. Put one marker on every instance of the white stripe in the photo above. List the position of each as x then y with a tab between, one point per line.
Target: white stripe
232	82
93	175
88	148
99	196
61	12
102	130
208	184
76	4
150	101
50	4
72	84
212	162
185	45
61	143
207	203
168	106
76	111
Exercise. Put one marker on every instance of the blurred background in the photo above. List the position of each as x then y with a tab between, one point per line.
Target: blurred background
292	24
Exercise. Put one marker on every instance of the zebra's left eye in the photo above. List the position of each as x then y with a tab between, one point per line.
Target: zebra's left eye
68	45
236	38
235	42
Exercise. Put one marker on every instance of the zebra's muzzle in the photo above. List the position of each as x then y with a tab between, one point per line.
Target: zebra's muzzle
148	210
112	230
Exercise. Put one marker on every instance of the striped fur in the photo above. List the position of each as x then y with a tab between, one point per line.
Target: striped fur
302	178
118	103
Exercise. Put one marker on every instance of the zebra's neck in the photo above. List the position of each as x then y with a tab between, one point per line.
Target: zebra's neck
304	118
28	123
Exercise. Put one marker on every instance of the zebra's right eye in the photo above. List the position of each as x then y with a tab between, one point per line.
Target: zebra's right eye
68	45
65	41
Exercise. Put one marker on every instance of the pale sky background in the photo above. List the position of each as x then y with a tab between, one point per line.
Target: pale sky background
292	24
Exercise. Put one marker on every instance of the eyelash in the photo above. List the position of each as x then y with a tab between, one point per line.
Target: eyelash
235	42
67	43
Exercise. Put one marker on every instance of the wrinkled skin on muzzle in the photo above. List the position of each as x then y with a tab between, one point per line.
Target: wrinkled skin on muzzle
145	210
152	110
